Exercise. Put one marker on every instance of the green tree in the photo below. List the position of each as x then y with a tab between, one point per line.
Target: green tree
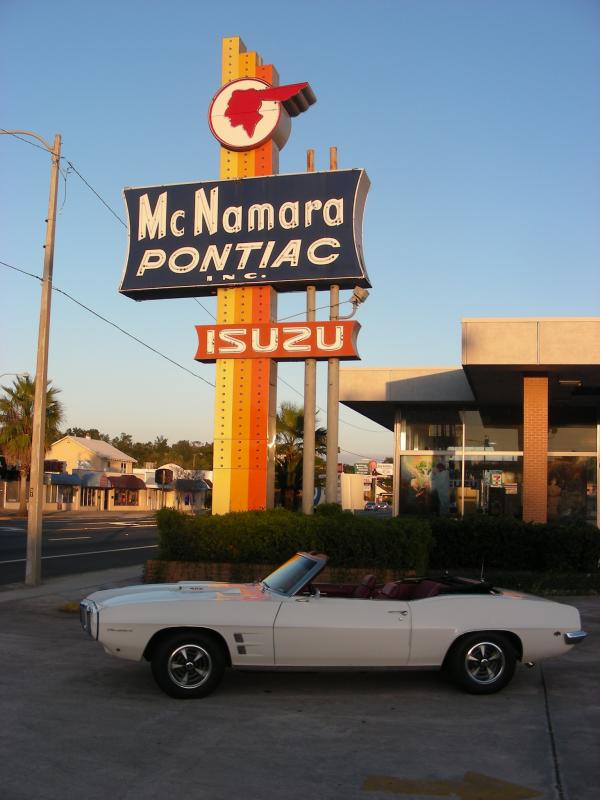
93	433
16	426
289	450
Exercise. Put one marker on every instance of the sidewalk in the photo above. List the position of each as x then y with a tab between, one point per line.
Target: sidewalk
73	587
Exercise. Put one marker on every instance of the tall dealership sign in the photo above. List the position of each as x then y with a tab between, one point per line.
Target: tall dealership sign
288	231
246	237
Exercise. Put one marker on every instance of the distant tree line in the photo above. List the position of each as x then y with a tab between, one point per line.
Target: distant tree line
185	453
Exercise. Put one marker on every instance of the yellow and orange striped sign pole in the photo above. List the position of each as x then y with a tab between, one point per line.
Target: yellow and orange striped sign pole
246	389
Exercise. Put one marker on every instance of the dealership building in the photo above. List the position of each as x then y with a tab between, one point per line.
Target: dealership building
514	430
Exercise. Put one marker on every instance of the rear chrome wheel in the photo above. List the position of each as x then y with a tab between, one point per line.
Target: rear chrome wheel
188	665
482	663
485	662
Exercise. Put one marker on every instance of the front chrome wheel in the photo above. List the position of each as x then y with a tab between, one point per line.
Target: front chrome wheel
189	666
485	662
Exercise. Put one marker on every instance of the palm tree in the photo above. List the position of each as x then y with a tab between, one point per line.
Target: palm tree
16	425
289	450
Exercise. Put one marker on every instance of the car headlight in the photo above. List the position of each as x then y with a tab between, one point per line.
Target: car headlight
88	616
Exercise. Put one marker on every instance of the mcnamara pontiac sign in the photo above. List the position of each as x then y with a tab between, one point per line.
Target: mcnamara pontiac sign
278	340
288	231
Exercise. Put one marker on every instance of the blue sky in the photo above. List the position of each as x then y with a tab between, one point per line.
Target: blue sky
478	122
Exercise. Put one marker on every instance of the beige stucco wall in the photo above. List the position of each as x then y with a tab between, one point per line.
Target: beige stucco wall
73	453
543	340
410	384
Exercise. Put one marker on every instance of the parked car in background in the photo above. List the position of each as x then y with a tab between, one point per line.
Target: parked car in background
371	506
191	632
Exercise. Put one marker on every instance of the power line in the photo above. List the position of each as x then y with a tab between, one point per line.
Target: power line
343	450
91	188
167	358
204	307
24	272
119	219
320	410
318	308
113	324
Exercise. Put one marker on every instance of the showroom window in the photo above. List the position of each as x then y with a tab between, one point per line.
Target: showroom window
572	487
493	486
493	429
428	484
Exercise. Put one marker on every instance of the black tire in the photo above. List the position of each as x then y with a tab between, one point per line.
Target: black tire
482	663
187	665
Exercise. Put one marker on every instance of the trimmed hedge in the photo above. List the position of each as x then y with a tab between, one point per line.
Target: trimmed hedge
405	544
267	537
510	544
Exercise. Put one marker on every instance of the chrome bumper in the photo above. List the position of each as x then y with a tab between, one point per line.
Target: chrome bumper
572	637
88	617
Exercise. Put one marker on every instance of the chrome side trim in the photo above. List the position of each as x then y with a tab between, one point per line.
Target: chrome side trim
573	637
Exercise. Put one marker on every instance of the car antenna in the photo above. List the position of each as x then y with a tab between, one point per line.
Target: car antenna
481	578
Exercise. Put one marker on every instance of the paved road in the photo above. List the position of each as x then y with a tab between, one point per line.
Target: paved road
77	723
74	543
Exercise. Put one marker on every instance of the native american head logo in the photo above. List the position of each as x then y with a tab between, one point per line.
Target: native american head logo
247	112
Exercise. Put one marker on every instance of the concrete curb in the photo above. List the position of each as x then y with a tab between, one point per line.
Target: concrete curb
81	584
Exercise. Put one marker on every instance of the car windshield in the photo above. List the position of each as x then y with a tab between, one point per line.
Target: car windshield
289	575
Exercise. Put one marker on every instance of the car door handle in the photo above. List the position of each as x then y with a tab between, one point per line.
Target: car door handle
395	611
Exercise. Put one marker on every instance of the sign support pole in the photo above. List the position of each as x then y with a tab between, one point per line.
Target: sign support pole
310	395
333	387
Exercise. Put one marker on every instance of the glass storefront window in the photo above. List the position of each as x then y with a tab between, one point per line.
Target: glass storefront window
428	484
12	491
126	497
433	436
493	429
580	438
68	494
493	486
572	487
433	429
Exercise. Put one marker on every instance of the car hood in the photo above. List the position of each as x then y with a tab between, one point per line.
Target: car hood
183	591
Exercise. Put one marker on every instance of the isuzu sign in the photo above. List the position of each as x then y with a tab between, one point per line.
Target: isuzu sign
278	340
248	111
287	231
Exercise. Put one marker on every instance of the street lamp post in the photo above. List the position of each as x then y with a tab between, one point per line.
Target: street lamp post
33	570
18	374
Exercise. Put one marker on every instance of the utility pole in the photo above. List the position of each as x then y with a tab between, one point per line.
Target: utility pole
33	571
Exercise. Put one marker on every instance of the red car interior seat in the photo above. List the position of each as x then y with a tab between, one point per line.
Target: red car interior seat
365	588
394	591
426	588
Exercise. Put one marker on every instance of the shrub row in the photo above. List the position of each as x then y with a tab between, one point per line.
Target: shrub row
404	543
267	537
510	544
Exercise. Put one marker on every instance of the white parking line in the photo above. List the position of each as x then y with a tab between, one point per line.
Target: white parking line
90	553
140	524
12	529
69	538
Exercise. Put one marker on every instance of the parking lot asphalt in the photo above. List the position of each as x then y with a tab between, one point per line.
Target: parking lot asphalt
77	723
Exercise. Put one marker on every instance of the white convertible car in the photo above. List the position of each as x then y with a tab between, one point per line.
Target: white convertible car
191	631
